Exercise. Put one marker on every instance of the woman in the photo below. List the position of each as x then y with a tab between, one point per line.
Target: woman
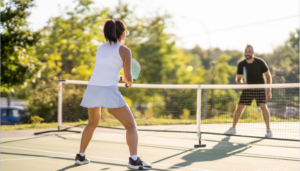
102	91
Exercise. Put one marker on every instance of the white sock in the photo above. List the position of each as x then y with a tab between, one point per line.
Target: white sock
82	154
134	157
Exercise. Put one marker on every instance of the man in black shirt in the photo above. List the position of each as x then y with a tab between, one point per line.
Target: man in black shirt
251	70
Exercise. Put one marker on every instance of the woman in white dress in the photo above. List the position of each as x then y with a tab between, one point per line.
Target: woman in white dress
102	91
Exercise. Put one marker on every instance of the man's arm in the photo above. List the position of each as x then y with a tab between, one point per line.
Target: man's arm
268	77
239	79
239	74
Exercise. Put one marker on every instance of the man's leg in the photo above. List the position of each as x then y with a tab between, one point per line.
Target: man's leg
238	113
266	114
245	99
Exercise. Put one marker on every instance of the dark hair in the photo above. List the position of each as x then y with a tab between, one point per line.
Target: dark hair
249	45
113	29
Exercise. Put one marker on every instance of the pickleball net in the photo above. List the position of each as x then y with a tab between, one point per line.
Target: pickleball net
200	112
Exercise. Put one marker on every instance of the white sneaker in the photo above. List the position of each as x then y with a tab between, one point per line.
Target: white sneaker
269	134
231	131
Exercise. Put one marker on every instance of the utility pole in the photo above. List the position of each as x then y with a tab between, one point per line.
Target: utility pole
8	98
212	82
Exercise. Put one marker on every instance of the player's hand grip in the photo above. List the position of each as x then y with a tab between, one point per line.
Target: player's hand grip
126	83
122	80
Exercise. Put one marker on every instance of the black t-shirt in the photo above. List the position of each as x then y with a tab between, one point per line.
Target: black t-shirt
254	71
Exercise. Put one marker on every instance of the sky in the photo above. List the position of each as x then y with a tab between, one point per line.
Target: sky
226	24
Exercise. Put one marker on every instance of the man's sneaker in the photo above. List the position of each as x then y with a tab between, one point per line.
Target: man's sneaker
269	133
80	160
230	131
138	164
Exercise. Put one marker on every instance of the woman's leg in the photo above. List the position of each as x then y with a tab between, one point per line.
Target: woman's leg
94	117
124	115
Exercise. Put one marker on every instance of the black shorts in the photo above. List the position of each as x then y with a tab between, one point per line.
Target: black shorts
248	95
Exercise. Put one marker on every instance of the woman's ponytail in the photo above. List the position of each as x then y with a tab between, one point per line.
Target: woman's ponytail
109	30
113	30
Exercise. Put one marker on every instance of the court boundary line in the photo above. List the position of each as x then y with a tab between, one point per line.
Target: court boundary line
26	137
34	136
67	154
37	157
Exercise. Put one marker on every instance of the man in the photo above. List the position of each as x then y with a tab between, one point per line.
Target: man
253	69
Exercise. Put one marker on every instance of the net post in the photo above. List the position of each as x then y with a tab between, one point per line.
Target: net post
199	118
59	113
59	110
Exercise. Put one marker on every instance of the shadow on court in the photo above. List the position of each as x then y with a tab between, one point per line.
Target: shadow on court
219	151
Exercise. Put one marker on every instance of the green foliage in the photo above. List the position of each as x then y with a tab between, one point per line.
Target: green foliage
68	45
18	64
285	60
252	112
223	71
218	102
186	114
42	101
36	119
67	49
225	64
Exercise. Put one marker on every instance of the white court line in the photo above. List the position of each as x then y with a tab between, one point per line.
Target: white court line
34	136
37	157
63	135
67	154
33	150
26	137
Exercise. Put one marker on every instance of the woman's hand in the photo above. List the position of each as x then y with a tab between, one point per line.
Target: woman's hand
128	82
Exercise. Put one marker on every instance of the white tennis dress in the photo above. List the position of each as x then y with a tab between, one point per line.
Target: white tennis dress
102	89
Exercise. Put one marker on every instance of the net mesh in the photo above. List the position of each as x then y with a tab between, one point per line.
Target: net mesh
153	109
220	106
168	109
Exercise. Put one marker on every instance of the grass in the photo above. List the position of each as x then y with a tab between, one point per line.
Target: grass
254	119
146	121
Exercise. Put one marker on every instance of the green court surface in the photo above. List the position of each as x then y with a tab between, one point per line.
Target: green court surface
22	151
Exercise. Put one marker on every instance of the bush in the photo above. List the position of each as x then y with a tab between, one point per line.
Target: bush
36	119
42	101
185	115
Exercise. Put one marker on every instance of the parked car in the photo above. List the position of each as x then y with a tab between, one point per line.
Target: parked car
12	115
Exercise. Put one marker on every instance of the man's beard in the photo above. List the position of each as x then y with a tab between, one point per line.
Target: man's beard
248	57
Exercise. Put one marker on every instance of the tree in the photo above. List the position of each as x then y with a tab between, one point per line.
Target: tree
68	44
285	60
17	62
161	61
67	50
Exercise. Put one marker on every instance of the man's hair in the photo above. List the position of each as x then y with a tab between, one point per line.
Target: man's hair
249	45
